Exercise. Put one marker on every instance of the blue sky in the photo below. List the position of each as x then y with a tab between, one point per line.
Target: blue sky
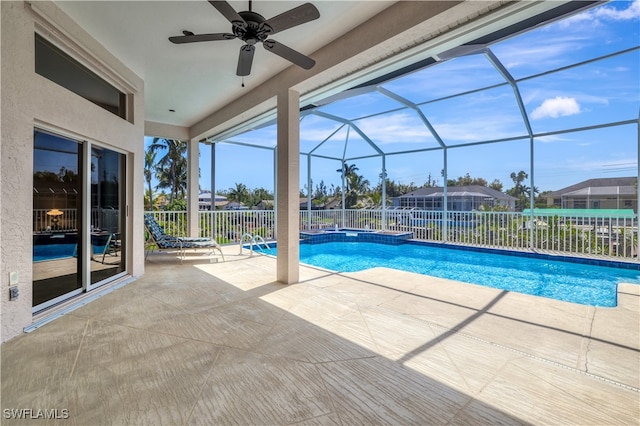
590	95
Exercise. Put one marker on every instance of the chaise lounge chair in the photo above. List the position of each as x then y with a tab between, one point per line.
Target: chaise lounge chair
159	239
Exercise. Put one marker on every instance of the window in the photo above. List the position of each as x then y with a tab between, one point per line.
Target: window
55	65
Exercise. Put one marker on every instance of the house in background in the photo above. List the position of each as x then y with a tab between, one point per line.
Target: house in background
204	201
460	198
265	205
601	193
235	205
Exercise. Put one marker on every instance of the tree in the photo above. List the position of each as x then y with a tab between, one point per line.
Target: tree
149	168
467	180
176	206
171	170
520	191
431	182
258	195
376	199
396	189
239	194
357	185
347	170
321	191
496	184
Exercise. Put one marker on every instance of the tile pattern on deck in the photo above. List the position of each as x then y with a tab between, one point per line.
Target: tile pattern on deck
222	343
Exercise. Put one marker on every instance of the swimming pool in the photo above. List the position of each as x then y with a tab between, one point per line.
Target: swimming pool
53	251
572	282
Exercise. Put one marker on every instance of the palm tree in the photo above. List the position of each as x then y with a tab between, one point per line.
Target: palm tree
347	170
149	167
356	185
240	193
520	191
171	169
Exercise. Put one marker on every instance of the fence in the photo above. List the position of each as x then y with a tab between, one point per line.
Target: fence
67	220
576	235
229	225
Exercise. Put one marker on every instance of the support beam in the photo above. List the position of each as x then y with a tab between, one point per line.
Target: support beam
384	193
309	192
445	200
212	208
193	187
288	187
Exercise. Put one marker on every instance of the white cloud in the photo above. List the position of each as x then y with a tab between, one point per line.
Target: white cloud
595	16
608	12
390	128
556	107
552	139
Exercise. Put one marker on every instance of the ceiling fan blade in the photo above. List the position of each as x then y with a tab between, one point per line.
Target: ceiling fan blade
228	12
289	54
201	37
296	16
245	60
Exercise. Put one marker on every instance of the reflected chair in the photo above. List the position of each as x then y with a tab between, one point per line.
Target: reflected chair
104	243
113	245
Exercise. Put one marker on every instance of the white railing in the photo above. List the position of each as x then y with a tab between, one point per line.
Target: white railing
229	225
608	236
65	222
68	221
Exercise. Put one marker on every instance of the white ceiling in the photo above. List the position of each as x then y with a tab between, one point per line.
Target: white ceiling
198	79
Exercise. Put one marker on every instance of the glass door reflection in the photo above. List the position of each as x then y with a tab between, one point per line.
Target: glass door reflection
107	218
57	205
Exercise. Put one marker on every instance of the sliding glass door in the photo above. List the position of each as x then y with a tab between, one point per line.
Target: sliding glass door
57	218
79	217
107	218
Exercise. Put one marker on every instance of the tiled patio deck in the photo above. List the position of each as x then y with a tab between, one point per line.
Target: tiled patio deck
221	343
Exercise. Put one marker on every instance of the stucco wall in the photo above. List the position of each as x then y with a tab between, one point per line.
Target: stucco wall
30	100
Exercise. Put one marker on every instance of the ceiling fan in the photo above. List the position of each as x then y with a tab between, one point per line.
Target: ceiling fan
251	28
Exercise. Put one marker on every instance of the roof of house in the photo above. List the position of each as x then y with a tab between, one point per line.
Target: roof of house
205	196
610	183
602	190
459	191
579	213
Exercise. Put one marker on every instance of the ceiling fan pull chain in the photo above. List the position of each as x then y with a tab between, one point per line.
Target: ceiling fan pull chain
243	81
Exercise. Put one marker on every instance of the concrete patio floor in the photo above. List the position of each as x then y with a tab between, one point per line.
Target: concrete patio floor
222	343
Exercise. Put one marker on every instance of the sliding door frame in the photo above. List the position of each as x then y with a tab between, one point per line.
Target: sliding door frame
84	231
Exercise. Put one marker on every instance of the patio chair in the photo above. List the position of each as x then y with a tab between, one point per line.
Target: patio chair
159	239
110	244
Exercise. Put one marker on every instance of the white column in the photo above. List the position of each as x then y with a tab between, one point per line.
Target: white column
384	193
288	187
212	208
193	187
445	199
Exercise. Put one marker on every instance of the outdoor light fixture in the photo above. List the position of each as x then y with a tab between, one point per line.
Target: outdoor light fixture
54	213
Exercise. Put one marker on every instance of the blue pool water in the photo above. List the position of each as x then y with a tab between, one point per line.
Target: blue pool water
52	251
58	251
571	282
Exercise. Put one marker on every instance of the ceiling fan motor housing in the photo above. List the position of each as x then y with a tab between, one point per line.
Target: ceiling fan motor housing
255	29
